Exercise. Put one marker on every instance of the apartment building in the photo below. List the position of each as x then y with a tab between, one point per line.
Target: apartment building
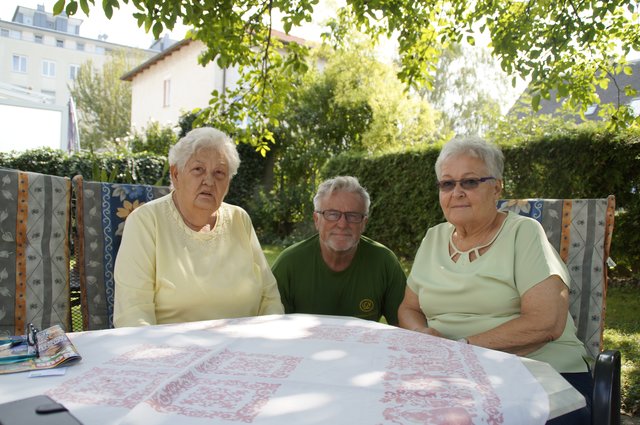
40	55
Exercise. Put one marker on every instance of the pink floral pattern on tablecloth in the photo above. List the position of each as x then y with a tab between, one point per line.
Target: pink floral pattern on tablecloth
151	356
450	387
202	392
413	378
345	334
209	397
229	362
125	380
101	386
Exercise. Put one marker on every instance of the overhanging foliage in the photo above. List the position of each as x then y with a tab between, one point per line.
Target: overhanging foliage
565	45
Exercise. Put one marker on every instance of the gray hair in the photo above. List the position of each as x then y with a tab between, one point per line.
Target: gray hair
204	137
341	184
475	147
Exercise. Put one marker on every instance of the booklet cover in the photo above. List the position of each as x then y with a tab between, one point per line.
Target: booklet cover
54	349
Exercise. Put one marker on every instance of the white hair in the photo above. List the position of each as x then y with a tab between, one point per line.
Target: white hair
475	147
341	184
204	137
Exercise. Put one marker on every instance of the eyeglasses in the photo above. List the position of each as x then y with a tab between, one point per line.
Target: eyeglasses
466	184
334	215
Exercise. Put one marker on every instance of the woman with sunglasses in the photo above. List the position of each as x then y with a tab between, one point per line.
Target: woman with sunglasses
491	278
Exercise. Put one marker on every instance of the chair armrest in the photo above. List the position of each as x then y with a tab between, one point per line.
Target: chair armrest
605	409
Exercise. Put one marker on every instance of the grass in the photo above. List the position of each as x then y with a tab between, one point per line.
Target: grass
271	252
622	332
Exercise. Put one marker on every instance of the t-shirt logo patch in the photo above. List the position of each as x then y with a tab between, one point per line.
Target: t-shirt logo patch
366	305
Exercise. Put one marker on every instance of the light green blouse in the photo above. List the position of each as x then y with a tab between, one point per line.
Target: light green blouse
465	298
167	273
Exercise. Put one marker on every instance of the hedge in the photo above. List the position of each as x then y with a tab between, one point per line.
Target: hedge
139	168
579	164
584	163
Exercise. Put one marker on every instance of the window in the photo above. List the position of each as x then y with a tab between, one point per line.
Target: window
15	34
50	96
4	32
166	98
635	106
591	109
48	68
38	39
100	50
19	63
73	71
80	46
59	43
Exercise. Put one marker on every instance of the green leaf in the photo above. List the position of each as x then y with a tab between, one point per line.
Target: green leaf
535	102
563	91
108	10
157	29
84	5
113	175
58	7
72	8
165	171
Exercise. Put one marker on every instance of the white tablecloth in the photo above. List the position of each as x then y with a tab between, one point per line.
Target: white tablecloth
293	369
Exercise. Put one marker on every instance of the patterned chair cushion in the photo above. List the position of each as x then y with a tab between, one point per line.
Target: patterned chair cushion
580	230
34	251
101	211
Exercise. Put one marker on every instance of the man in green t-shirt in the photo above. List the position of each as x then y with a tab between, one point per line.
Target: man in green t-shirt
338	271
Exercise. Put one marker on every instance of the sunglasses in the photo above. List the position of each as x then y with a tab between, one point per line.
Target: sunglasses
466	184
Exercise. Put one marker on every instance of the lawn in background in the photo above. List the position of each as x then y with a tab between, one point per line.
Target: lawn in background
622	332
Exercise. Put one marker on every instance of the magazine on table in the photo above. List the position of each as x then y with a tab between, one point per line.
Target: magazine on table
35	350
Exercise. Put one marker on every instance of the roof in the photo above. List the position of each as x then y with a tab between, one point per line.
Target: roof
129	76
31	12
155	59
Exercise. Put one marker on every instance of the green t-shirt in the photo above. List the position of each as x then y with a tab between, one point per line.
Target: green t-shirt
372	286
465	298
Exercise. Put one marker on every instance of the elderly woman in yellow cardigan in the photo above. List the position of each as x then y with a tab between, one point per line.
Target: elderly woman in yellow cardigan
190	256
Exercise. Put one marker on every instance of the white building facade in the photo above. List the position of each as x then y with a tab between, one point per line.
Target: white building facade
40	56
173	83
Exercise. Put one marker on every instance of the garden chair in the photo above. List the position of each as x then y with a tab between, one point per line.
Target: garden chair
35	211
101	211
580	230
